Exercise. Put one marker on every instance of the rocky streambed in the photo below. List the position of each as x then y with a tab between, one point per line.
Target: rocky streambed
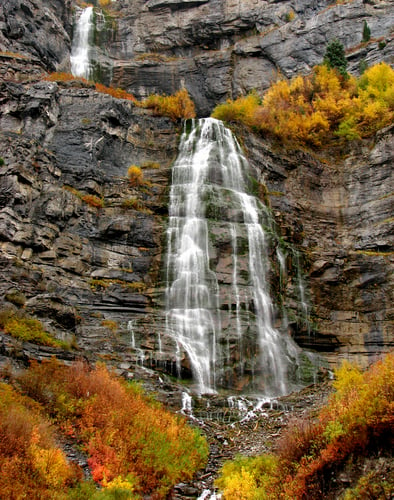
245	426
233	425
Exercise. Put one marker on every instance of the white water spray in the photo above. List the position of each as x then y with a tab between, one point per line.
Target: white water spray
210	168
79	58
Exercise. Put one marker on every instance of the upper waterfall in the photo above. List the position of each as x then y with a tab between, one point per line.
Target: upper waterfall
219	327
79	58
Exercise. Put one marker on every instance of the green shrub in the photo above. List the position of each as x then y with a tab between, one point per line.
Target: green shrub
335	57
30	330
135	204
366	32
15	297
290	16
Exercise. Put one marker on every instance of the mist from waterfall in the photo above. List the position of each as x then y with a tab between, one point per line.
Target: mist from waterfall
211	168
79	59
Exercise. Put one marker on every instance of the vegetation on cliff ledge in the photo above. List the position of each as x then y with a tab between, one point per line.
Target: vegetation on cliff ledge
312	110
133	446
356	424
177	106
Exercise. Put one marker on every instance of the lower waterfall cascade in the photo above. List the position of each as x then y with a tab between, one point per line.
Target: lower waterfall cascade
220	233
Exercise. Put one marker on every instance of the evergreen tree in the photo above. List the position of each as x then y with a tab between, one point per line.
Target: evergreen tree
366	32
335	57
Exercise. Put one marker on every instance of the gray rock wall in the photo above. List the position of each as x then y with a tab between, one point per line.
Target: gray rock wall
339	211
79	266
99	263
221	49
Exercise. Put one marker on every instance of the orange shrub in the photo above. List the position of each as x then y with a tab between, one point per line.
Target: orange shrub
32	465
92	200
128	437
64	77
117	93
68	77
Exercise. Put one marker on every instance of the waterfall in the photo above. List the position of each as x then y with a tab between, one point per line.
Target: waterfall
210	200
192	293
79	58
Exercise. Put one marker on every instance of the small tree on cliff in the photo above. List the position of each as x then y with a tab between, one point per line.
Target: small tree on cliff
335	57
366	32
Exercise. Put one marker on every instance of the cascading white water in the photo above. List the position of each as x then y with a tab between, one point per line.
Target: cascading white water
210	171
192	294
79	58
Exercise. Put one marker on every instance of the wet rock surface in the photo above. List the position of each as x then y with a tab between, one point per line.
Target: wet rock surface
339	211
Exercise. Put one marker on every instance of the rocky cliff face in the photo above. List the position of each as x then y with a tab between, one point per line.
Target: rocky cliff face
220	49
83	249
80	263
339	210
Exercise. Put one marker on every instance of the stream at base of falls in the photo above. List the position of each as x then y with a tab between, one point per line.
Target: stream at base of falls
238	425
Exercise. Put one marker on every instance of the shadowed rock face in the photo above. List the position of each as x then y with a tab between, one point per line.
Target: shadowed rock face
60	145
37	29
80	265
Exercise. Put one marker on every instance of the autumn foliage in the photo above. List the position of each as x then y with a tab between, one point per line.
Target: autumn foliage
68	77
357	422
177	106
32	465
134	446
316	109
135	175
27	329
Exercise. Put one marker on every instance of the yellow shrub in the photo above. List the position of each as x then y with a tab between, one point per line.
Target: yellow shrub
249	478
50	464
242	109
135	175
177	106
108	323
30	330
312	110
